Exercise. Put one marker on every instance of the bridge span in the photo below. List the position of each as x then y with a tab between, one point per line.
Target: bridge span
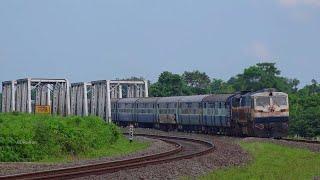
65	98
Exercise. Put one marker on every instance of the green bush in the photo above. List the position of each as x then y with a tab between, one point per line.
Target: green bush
25	137
304	114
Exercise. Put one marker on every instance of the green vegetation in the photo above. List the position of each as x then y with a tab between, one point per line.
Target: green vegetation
305	111
271	161
0	102
304	103
30	138
257	77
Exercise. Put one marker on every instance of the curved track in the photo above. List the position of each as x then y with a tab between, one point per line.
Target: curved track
184	148
301	140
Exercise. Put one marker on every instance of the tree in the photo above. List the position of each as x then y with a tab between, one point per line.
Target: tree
0	102
304	114
219	86
260	76
198	82
293	85
169	84
312	89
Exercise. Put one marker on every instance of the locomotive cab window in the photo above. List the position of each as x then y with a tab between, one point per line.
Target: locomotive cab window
245	101
279	100
235	102
263	101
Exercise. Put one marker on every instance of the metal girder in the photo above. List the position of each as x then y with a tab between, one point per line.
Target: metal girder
17	95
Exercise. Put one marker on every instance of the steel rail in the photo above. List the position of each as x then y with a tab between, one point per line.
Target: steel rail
301	140
109	167
49	173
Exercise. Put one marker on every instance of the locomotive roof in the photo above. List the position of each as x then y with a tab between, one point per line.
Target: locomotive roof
266	93
266	90
217	97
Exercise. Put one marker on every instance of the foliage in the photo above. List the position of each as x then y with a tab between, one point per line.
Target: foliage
189	83
198	82
25	137
169	84
260	76
271	161
257	77
219	86
305	111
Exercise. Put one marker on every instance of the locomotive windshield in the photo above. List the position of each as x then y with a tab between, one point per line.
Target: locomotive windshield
279	100
262	101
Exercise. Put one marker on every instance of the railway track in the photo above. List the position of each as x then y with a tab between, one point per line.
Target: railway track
184	148
301	140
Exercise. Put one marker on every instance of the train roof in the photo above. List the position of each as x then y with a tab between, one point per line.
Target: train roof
113	100
169	99
148	100
217	97
127	100
196	98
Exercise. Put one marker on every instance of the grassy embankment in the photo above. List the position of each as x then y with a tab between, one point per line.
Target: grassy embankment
39	138
271	161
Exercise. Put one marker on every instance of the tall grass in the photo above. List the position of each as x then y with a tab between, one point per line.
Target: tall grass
25	137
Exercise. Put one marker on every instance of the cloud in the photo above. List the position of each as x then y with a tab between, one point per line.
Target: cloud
295	3
300	10
258	50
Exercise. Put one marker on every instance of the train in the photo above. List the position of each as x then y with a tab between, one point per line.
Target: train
263	113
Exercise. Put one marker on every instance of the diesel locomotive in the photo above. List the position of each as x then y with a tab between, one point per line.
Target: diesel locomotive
263	113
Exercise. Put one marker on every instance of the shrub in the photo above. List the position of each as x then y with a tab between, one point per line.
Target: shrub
25	137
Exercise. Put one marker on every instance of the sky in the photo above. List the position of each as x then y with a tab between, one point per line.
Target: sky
86	40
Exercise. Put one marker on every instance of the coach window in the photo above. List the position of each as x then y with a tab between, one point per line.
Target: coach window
216	105
189	105
212	105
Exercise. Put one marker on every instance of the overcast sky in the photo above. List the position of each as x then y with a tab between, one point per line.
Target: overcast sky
104	39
